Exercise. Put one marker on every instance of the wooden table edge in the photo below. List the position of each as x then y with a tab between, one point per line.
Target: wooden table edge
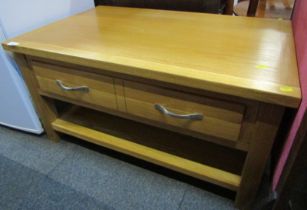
287	98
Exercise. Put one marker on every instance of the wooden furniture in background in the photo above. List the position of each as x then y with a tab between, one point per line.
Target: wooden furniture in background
252	7
259	8
286	3
209	6
246	8
177	75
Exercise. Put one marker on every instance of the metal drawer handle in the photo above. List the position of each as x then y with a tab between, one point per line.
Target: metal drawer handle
66	88
193	116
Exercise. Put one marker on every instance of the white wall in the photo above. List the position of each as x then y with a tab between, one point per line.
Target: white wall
19	16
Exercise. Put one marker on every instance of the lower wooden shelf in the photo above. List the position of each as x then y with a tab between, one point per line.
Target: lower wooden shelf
81	127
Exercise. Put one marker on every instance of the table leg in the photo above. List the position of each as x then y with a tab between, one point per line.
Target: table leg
269	117
44	106
261	8
229	7
252	8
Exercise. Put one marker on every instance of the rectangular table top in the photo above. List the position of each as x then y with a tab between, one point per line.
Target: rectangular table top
247	57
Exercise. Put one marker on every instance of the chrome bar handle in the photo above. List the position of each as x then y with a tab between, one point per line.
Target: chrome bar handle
67	88
192	116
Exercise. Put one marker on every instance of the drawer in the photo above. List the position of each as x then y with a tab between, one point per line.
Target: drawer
199	114
76	85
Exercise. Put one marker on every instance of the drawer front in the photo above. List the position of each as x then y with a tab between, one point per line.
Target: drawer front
76	85
203	115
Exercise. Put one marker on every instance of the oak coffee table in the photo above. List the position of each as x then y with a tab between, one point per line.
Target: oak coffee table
201	94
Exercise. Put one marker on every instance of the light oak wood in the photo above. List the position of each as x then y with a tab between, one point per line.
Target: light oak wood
240	72
101	88
200	171
239	56
44	106
120	95
141	98
241	144
219	113
182	145
250	114
269	118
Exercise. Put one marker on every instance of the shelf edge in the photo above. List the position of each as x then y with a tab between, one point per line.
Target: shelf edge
203	172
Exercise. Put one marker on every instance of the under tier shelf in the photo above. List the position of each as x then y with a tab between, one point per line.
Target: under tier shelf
95	127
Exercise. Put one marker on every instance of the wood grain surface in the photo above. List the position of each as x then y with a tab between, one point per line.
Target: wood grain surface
44	106
101	88
246	57
141	99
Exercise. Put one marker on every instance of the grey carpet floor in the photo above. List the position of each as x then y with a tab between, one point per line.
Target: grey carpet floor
36	173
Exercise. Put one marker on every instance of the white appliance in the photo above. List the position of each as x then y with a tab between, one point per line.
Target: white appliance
17	17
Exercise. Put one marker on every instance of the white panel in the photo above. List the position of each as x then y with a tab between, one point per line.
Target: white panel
17	17
16	109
